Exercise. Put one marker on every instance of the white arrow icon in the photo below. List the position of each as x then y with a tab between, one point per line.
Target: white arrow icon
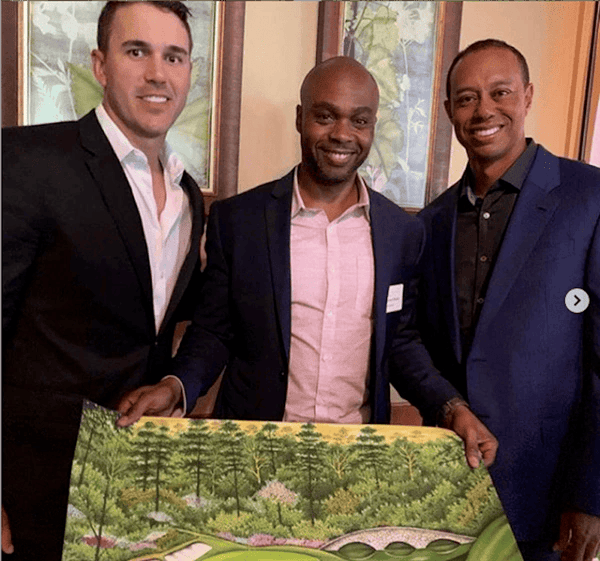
577	300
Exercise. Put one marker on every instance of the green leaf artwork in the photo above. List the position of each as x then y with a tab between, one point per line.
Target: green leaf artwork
396	42
60	85
188	489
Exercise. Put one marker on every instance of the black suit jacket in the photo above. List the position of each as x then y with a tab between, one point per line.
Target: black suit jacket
78	318
244	318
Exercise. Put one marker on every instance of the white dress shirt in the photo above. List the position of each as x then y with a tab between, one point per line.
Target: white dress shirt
332	274
168	236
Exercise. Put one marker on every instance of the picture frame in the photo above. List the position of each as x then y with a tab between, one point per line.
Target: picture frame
589	142
218	176
333	41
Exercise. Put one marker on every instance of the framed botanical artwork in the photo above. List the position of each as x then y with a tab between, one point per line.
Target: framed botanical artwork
47	77
408	47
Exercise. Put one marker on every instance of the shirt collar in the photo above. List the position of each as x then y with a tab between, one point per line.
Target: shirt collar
125	150
513	177
363	197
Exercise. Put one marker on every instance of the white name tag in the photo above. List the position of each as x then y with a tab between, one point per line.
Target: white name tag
394	299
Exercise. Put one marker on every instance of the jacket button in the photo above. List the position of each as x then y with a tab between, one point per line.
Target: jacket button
282	374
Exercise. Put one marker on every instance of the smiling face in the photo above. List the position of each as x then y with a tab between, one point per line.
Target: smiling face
488	105
336	121
145	71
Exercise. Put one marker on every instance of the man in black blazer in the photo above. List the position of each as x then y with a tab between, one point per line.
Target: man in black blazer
268	283
92	287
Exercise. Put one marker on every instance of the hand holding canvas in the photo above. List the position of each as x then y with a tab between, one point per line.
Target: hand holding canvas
579	538
480	443
7	546
157	400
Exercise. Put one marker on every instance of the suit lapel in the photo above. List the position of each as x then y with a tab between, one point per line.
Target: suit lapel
383	247
112	182
443	240
533	209
187	268
278	225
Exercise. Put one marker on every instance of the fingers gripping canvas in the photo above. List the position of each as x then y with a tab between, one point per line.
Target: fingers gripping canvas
187	490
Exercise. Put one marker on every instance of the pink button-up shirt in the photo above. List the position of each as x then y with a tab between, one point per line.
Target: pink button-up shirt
333	271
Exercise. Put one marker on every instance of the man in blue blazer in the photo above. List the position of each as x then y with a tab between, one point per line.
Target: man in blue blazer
268	285
510	308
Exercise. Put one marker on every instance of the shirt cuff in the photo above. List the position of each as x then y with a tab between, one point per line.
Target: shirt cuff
183	398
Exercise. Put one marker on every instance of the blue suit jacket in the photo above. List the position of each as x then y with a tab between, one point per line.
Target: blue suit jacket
243	317
533	372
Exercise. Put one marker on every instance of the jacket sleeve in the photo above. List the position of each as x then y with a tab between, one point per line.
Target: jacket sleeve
22	227
582	490
204	350
410	367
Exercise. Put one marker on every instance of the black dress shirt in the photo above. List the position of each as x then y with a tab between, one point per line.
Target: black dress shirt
480	227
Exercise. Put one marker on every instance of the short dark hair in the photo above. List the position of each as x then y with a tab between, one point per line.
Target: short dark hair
108	13
482	46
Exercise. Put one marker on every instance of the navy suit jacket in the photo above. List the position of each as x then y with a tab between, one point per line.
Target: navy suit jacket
533	372
78	319
243	318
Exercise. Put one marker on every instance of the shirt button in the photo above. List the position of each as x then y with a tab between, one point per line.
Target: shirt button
483	258
329	314
486	215
480	300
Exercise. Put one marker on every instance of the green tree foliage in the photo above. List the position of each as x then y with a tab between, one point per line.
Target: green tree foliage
340	456
95	426
196	452
97	499
162	447
342	502
141	457
311	449
371	449
271	445
230	445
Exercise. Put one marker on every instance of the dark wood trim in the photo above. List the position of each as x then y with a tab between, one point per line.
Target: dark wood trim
405	414
229	102
585	139
441	139
329	30
10	64
329	39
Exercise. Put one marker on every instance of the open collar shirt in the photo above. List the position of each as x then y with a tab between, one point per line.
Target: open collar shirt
168	236
333	277
481	224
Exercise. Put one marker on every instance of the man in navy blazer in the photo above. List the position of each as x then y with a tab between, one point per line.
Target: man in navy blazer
510	308
82	314
246	321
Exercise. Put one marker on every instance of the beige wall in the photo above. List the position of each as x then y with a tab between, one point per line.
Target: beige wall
279	50
554	37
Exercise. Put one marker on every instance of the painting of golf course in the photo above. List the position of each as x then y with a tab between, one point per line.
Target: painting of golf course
171	489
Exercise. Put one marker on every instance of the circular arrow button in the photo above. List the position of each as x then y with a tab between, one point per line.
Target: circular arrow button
577	300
